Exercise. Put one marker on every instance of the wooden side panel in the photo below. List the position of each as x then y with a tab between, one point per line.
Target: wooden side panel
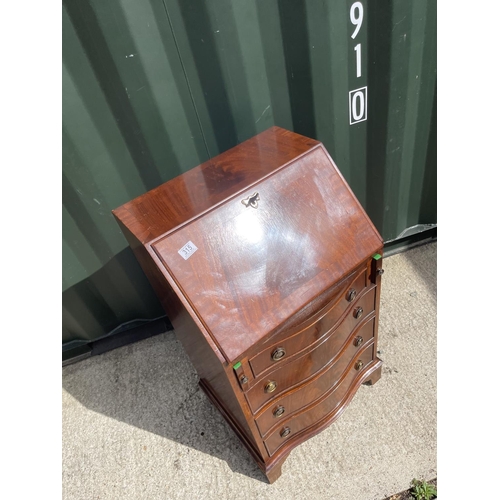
208	365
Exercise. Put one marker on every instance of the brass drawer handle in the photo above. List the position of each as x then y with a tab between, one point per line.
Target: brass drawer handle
278	411
270	386
358	341
359	365
358	312
285	431
351	295
278	353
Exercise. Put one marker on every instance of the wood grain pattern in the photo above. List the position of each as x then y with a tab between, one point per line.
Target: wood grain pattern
201	188
259	266
281	242
305	394
327	406
305	366
295	343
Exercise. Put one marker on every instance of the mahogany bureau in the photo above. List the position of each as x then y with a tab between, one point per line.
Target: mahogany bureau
269	270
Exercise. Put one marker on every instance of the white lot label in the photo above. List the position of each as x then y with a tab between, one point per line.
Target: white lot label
187	250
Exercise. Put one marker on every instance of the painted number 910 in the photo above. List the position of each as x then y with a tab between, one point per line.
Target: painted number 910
358	99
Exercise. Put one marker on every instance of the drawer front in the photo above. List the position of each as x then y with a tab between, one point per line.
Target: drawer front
284	407
281	351
297	371
301	421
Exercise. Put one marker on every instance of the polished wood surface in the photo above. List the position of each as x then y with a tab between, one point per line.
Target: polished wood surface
203	187
261	265
277	269
305	394
327	405
305	366
295	343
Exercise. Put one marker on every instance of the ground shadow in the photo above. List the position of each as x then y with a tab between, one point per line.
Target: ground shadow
152	385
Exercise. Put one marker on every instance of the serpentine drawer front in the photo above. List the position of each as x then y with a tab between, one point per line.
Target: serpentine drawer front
326	406
303	367
328	378
269	270
297	342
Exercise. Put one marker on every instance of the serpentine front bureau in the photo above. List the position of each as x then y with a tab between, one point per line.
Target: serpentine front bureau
269	270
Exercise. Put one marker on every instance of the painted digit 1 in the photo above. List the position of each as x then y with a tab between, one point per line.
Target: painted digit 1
357	20
357	49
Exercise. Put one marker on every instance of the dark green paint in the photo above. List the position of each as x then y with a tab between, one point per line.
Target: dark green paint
152	88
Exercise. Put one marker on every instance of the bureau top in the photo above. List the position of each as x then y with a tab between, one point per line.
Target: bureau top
190	194
253	236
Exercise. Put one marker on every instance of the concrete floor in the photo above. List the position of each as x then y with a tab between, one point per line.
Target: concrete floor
136	425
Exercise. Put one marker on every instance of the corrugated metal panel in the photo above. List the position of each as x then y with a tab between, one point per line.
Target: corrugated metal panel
153	88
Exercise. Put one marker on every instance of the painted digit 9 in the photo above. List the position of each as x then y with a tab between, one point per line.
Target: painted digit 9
356	17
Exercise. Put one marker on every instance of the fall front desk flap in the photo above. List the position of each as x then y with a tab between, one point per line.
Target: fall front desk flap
250	263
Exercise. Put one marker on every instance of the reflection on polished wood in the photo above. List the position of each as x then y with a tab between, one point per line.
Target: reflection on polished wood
280	287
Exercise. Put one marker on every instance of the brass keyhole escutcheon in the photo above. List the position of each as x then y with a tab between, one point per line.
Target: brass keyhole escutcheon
358	341
270	386
278	353
278	411
285	431
351	295
358	312
359	364
251	201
